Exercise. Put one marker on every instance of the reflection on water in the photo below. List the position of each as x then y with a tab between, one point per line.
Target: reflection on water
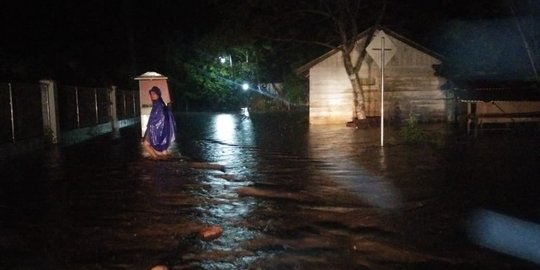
292	196
342	166
225	126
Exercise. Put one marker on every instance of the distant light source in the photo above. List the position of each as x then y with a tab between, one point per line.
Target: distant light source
224	59
245	86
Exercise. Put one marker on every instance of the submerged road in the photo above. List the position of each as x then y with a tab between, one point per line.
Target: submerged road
287	196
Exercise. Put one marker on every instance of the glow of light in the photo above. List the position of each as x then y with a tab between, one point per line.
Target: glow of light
506	234
224	125
245	86
244	112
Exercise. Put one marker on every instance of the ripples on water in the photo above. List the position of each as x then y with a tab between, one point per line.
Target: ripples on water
292	196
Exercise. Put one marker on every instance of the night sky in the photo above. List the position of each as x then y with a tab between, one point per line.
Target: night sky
94	37
81	39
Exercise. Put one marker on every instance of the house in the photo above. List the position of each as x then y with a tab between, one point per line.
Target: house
410	86
495	104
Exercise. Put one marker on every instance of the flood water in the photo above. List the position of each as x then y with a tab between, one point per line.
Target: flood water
290	196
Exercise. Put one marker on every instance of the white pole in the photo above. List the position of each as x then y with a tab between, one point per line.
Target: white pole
382	91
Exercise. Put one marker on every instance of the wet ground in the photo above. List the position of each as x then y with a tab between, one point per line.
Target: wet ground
290	196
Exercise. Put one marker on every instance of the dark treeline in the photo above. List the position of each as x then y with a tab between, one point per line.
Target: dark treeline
111	42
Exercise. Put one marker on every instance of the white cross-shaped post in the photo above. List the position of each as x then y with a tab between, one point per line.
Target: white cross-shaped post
375	51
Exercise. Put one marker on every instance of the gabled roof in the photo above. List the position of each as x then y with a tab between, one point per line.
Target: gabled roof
305	68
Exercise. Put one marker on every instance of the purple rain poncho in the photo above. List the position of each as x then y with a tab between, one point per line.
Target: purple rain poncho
161	127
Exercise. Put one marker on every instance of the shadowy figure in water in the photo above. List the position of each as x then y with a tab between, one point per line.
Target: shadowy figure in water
397	116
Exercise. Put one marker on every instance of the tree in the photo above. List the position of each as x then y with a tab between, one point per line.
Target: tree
338	24
217	67
344	17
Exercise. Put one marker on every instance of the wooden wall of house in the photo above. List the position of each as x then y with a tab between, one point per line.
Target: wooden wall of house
410	83
330	95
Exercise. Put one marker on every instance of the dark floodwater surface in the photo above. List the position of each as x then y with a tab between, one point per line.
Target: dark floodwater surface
292	196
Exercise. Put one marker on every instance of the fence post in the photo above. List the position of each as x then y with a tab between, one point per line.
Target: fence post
114	116
11	113
96	107
124	102
77	104
49	105
134	104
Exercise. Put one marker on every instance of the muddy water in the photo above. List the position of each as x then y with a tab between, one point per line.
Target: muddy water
291	196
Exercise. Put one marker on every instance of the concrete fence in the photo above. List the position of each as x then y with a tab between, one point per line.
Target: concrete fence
46	113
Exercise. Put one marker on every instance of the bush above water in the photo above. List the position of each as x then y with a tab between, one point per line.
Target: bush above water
412	133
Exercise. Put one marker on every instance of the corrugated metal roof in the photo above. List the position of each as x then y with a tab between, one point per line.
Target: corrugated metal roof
497	94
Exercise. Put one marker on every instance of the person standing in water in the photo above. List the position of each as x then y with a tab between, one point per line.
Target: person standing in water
161	127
